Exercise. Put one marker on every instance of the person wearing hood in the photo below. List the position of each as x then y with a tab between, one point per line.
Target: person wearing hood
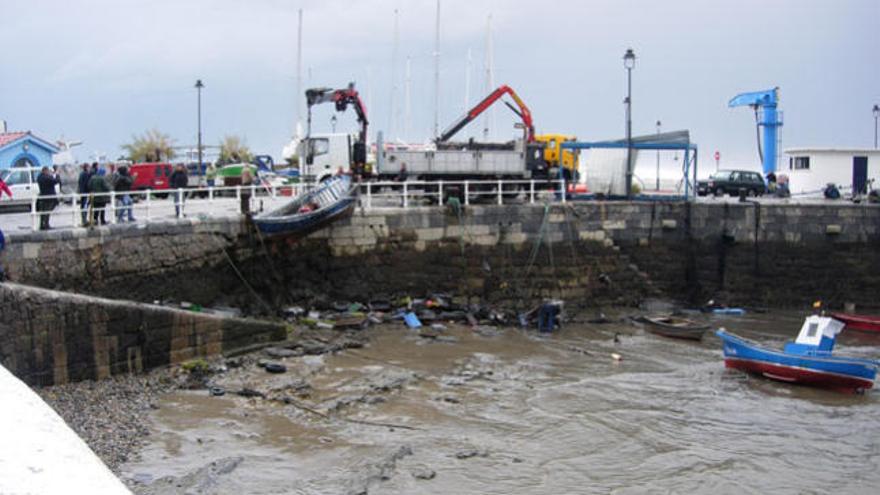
98	189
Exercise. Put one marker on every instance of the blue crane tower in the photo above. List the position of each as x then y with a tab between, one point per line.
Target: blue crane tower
766	100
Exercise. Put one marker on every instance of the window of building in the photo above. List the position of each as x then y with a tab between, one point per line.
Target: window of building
802	163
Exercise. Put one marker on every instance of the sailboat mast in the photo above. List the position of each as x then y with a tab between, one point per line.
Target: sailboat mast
299	91
467	80
392	128
437	75
407	101
489	117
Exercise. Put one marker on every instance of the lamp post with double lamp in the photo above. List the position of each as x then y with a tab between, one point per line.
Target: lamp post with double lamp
876	116
629	61
199	87
658	156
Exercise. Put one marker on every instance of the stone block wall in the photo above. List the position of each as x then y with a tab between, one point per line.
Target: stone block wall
50	337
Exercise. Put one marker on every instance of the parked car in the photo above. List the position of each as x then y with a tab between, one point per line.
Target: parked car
730	182
154	176
22	181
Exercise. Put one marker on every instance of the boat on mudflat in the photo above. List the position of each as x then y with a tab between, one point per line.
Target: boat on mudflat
312	210
807	360
674	327
859	322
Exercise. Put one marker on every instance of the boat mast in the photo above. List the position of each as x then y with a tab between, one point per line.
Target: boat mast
437	75
391	107
467	81
407	100
489	117
299	92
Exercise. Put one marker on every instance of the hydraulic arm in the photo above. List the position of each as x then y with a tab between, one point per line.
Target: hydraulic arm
523	113
767	102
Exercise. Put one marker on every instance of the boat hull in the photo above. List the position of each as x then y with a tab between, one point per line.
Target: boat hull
300	225
859	322
836	373
656	326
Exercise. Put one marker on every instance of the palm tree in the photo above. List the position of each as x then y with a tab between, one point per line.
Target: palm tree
233	149
152	146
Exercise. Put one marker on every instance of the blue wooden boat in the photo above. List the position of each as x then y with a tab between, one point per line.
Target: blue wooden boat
806	361
332	200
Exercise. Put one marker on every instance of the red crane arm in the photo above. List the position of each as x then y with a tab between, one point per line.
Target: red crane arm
524	113
341	98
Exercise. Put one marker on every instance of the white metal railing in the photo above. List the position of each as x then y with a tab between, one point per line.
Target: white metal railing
83	210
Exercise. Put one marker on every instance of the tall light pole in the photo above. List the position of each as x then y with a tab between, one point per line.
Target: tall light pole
658	156
876	116
629	61
199	87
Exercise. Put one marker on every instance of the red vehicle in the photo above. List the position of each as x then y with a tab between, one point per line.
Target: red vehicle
155	176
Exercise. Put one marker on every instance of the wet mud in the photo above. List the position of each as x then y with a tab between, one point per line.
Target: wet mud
507	411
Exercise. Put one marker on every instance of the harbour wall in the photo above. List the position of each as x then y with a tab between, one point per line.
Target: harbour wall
51	337
768	254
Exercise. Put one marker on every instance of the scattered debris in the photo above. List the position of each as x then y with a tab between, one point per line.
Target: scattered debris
423	473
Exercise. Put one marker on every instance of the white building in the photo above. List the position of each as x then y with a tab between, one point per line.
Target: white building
811	169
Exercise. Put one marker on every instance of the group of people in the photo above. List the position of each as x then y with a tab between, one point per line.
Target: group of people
95	183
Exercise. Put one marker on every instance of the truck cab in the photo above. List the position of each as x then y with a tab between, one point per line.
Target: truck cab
552	148
321	155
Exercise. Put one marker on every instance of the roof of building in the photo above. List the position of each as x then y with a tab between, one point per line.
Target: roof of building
860	151
8	138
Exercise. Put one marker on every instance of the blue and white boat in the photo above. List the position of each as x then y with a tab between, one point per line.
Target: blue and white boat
332	200
806	361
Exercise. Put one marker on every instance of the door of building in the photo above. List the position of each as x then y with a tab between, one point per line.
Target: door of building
860	174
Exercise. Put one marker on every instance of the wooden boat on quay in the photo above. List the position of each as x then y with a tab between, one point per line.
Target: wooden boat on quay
807	360
859	322
333	199
674	327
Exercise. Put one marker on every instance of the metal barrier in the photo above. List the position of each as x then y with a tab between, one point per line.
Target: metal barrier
154	205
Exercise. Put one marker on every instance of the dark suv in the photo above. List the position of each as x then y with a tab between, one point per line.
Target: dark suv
730	182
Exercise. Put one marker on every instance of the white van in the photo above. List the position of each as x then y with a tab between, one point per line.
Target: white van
22	181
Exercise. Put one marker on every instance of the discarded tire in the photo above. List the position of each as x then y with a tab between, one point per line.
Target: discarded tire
275	368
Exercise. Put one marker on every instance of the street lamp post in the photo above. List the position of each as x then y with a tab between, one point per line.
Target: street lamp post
876	116
658	156
199	87
629	61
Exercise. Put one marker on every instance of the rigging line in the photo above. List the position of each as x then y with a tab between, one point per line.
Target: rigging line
241	277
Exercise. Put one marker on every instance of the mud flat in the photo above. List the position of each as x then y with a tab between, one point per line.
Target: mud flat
500	410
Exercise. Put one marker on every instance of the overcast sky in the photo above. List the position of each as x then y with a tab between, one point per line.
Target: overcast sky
103	70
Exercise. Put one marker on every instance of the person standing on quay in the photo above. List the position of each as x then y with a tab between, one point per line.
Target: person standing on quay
123	187
98	189
211	175
83	191
179	182
48	200
247	180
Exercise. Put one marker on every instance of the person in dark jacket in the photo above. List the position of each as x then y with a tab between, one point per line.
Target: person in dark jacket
179	182
98	189
47	200
83	190
122	186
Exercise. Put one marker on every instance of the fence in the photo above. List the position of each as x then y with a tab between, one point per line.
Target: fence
82	210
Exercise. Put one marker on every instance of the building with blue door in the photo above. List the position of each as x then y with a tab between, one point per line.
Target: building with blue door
810	169
23	149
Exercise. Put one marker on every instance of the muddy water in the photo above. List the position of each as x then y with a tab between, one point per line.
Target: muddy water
517	413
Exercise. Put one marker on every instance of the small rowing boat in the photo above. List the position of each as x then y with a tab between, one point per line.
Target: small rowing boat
310	211
806	361
674	327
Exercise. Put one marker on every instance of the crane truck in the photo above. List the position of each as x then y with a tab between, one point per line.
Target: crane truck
532	157
321	155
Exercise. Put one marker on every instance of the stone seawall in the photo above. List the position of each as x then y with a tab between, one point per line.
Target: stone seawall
49	337
780	254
